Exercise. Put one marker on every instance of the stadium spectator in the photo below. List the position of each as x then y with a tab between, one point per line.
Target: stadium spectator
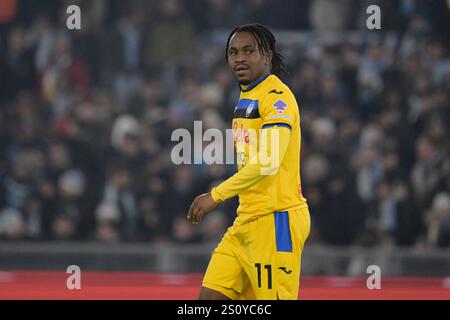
18	69
438	219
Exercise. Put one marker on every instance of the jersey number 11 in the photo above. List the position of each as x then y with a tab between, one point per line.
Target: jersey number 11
268	267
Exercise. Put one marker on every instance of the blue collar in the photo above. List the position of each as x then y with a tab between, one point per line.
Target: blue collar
254	84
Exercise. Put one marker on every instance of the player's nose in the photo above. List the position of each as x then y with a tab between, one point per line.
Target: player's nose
240	58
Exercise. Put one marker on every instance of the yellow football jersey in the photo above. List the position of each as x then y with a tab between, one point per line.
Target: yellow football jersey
266	103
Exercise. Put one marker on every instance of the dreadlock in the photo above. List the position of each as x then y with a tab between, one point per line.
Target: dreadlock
266	42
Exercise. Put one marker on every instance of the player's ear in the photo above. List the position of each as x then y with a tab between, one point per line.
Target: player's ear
268	57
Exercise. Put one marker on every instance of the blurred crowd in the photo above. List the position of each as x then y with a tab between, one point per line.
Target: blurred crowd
86	117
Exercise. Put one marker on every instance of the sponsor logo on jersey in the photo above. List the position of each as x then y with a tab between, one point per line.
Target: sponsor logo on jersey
275	91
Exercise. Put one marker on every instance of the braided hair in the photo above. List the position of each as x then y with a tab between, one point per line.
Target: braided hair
266	42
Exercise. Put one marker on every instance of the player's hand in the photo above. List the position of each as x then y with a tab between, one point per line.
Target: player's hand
200	206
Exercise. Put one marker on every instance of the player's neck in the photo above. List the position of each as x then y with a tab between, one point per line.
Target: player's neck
250	86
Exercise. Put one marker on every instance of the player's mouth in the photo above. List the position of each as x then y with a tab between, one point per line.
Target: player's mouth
241	67
241	70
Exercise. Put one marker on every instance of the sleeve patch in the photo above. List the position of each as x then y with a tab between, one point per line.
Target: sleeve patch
280	106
